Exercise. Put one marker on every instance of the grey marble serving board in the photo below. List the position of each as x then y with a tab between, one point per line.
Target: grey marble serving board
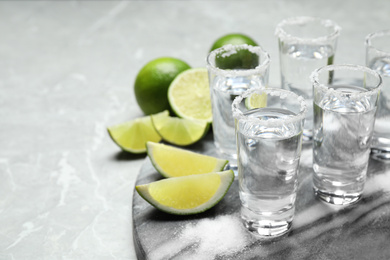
320	231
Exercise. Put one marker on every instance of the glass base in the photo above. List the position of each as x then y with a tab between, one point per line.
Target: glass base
267	229
380	155
337	199
380	148
270	226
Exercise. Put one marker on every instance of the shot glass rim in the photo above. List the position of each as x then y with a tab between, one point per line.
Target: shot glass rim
237	73
377	34
239	115
282	34
358	95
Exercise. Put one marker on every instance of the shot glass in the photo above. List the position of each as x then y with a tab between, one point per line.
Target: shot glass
345	103
232	70
268	125
378	59
305	44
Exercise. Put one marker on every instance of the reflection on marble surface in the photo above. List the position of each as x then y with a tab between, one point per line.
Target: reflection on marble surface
320	230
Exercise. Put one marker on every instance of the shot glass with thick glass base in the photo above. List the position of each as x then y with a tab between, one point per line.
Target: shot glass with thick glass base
232	70
345	103
378	59
305	44
269	126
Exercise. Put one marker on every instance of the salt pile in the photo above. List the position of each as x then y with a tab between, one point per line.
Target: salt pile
206	239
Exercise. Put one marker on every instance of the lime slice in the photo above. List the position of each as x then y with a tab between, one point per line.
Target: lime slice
256	100
189	95
179	131
170	161
188	194
132	136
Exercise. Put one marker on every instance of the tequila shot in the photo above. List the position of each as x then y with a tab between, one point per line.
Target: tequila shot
305	44
269	125
232	70
378	59
345	103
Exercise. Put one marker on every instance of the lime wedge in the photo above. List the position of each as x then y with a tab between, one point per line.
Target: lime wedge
170	161
188	194
189	95
179	131
132	136
256	100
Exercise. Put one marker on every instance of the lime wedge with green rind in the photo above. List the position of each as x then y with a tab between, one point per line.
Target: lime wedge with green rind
179	131
132	136
188	194
171	161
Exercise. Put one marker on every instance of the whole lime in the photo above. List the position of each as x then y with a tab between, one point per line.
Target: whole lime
234	39
152	82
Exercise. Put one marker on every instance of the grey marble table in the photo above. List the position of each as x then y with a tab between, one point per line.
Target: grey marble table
320	230
67	70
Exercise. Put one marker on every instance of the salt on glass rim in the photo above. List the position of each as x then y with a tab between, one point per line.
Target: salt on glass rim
375	35
355	95
239	115
261	68
282	34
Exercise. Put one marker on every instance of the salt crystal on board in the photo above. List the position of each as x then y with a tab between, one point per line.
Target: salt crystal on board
205	240
219	236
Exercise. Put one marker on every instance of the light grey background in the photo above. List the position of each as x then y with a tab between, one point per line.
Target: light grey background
67	70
